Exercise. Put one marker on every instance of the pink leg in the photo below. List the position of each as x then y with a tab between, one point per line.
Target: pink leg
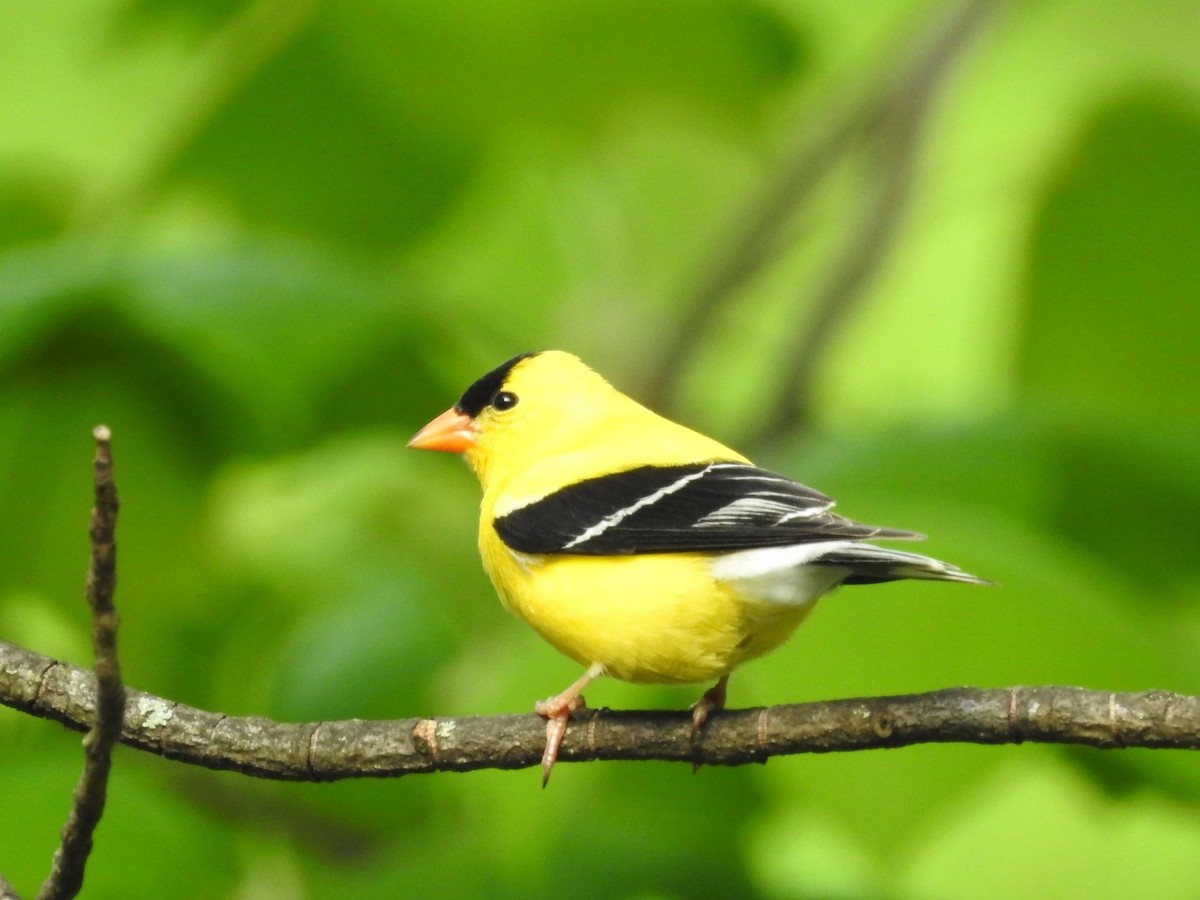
557	711
713	700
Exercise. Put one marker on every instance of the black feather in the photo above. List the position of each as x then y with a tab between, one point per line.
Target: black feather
717	506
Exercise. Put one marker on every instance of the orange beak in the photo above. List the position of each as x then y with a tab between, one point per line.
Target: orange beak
452	432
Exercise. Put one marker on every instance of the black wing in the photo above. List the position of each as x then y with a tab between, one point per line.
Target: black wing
677	509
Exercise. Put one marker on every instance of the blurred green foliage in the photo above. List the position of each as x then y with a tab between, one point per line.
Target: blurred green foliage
267	240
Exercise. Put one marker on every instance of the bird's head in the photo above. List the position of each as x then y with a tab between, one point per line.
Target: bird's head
534	403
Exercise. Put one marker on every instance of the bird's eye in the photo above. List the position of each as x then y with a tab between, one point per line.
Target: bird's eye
504	400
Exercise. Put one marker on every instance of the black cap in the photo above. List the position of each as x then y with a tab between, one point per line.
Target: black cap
480	394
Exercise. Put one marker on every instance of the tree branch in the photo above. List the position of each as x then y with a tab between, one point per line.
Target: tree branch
331	751
106	693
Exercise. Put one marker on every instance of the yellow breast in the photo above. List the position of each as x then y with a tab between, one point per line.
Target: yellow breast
656	618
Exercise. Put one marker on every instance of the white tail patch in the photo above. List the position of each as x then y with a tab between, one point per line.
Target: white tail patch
783	575
798	574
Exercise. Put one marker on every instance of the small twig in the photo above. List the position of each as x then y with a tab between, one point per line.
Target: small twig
108	694
331	751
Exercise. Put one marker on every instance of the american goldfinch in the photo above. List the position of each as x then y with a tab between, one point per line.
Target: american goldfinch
641	549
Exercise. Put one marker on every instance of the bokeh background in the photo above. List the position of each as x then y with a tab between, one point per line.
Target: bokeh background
941	261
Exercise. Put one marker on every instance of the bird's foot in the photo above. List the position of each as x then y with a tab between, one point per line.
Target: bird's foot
557	711
712	701
557	714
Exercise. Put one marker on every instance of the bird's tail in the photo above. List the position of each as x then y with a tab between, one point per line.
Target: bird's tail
869	564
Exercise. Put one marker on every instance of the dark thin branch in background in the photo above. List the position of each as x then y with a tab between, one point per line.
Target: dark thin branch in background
893	141
331	751
888	123
107	711
751	249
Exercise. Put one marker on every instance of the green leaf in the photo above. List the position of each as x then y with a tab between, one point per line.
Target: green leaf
1112	304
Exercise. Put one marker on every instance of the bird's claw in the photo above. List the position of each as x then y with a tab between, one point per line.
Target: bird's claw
557	713
557	707
712	701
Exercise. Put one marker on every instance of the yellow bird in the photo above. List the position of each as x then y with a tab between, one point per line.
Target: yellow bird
641	549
